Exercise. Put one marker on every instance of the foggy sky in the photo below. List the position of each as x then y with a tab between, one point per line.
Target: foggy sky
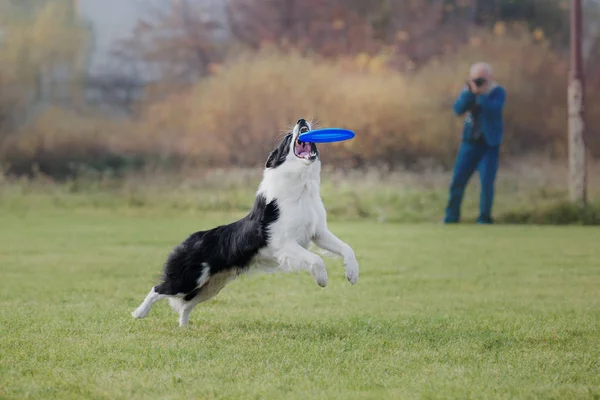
111	20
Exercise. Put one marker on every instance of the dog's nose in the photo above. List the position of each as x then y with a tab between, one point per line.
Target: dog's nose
301	121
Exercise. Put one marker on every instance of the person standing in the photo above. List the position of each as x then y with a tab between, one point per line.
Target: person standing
482	102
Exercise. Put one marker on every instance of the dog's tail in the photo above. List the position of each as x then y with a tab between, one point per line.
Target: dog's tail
176	304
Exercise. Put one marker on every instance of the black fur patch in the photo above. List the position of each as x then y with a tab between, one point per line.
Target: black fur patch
222	248
278	156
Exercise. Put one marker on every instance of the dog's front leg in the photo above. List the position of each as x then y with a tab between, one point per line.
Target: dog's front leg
295	257
328	241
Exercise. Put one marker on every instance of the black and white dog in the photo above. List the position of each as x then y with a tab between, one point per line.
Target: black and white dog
287	216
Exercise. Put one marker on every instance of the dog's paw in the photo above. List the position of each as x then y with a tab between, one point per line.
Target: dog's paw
351	271
139	313
319	274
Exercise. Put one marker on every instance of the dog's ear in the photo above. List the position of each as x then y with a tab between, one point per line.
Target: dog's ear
271	159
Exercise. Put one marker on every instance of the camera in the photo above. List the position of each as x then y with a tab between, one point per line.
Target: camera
479	82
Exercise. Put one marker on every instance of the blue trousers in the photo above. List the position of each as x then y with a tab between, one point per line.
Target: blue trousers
472	156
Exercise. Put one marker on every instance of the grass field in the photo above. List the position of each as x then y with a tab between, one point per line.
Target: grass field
528	190
438	312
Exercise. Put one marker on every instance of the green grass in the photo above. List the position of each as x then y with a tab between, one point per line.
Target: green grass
526	193
439	312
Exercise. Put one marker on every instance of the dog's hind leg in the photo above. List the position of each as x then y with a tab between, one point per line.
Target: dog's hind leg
211	288
146	305
188	306
186	309
176	304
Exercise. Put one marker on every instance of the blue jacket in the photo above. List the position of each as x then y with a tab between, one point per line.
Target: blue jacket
492	105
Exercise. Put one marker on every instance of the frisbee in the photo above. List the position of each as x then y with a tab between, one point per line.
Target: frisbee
326	135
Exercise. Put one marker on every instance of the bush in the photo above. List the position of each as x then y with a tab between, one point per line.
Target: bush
535	78
234	116
62	145
558	214
401	120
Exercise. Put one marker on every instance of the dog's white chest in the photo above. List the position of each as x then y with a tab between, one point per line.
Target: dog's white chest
299	219
302	220
295	188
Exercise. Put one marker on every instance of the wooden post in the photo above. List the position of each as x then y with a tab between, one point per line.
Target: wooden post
577	150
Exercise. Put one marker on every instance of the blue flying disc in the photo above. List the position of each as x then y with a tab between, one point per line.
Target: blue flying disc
326	135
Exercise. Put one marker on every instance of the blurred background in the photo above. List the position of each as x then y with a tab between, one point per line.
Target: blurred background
113	93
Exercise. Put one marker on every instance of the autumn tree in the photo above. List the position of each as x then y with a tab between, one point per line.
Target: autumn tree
182	40
177	41
412	29
325	27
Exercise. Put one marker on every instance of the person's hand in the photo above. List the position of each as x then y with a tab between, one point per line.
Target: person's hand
473	87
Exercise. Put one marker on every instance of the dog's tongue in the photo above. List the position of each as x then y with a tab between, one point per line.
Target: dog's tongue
303	149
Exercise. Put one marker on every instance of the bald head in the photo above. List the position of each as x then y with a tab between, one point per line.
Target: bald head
481	70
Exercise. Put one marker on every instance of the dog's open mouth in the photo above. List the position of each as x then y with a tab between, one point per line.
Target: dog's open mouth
305	150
